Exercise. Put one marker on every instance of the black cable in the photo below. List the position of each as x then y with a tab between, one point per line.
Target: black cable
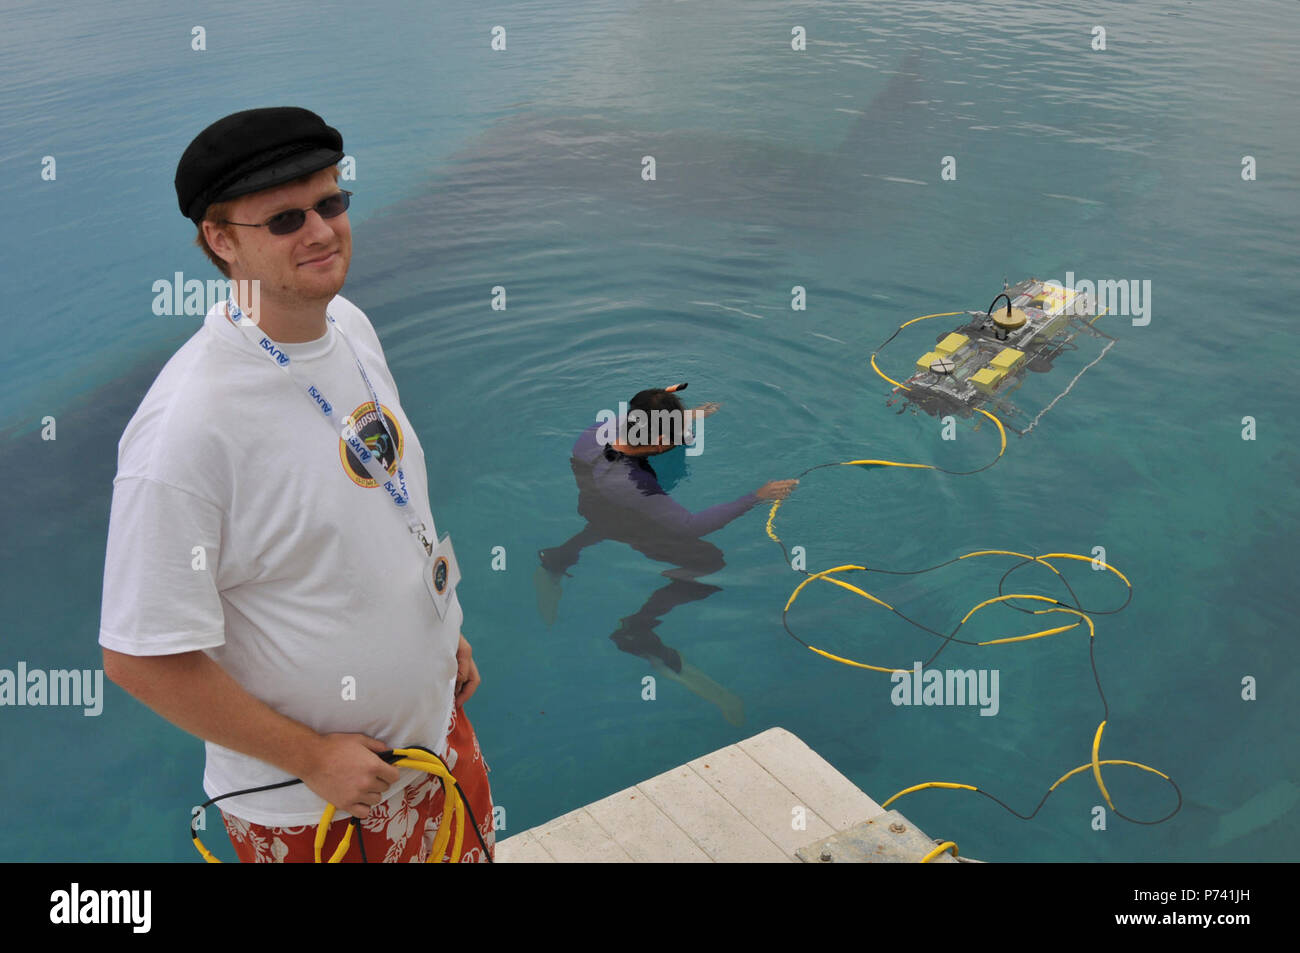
989	313
221	797
361	841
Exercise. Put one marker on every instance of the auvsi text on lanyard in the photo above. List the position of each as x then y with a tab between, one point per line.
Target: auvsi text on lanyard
347	432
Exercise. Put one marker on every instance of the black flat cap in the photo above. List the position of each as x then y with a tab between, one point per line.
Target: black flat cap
250	151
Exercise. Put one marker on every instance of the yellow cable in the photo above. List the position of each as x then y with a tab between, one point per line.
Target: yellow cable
1019	595
887	463
344	843
205	853
444	832
945	314
886	376
929	784
826	575
770	517
453	804
1096	765
814	576
1093	765
1085	766
1088	559
996	552
321	829
946	845
1032	635
453	812
845	661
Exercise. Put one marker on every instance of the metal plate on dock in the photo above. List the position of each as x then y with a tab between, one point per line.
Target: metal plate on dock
888	838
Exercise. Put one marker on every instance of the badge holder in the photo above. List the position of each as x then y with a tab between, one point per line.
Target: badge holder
441	575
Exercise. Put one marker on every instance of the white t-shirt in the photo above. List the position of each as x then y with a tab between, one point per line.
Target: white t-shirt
243	526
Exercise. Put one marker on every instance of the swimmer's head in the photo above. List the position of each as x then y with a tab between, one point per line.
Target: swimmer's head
662	427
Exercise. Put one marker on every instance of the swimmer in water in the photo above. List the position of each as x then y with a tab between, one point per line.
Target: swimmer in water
621	498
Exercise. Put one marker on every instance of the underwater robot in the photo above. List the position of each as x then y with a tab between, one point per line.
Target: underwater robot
982	362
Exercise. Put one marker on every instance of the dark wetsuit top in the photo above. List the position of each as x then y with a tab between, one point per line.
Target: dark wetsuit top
620	490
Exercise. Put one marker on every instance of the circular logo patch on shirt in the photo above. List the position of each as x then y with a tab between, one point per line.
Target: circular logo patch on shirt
366	422
440	574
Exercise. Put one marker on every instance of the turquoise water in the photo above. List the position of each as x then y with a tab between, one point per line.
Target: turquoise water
775	169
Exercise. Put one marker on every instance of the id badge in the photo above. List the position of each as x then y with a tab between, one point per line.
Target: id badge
441	574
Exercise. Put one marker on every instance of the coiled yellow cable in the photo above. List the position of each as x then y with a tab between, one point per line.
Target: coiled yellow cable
453	813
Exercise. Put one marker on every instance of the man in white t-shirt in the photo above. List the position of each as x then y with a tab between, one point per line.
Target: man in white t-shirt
274	581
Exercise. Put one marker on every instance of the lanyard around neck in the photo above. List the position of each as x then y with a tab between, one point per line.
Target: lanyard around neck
396	488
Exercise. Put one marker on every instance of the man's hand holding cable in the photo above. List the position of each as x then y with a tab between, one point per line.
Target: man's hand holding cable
345	770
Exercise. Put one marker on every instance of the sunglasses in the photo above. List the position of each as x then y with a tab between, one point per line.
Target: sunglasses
290	220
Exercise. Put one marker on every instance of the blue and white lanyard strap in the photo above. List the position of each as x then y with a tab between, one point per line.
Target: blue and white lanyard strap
397	492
